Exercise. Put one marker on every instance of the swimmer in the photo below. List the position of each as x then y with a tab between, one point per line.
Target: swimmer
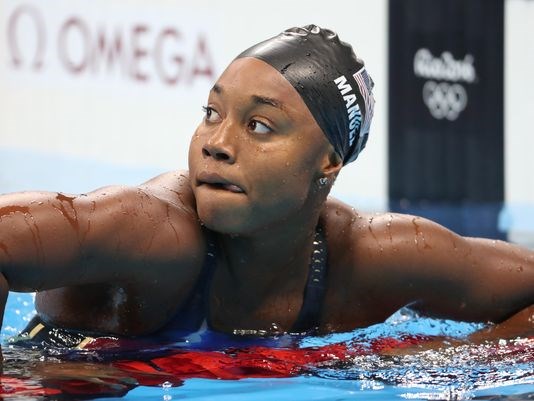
247	240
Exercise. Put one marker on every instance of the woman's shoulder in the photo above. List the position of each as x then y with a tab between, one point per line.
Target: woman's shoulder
362	231
347	233
364	241
344	223
173	187
362	254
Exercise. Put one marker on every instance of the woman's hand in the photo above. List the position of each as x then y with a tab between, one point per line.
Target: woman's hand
519	325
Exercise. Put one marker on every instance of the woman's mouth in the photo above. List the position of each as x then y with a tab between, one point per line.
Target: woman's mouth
216	182
228	187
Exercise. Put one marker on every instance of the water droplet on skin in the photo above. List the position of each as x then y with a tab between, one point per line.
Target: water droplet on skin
388	225
419	233
520	269
372	232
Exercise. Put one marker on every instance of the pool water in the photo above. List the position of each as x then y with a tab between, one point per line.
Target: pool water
503	370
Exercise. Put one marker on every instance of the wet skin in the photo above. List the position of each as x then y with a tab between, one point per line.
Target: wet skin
124	259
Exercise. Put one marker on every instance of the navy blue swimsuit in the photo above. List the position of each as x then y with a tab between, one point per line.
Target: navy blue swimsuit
195	311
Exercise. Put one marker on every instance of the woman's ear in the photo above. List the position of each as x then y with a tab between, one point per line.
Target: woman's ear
331	165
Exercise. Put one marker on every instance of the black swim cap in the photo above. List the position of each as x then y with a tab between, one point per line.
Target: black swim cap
330	79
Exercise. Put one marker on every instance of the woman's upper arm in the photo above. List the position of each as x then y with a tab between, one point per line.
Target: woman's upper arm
50	240
446	275
40	233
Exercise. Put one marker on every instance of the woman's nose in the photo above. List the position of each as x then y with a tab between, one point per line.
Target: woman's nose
220	146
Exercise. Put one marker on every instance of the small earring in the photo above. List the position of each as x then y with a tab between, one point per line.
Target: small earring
322	181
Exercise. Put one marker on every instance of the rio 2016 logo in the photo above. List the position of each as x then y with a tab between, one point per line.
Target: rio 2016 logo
444	100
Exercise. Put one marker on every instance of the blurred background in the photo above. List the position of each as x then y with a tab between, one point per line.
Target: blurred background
105	92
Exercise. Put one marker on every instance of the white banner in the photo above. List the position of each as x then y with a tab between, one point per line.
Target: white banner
122	82
77	45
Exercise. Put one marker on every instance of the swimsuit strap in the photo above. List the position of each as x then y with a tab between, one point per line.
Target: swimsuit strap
210	264
310	312
194	312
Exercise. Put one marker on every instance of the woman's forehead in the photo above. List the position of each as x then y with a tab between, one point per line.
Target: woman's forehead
252	78
248	81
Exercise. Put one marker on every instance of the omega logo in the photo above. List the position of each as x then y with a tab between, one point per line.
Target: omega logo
138	52
21	13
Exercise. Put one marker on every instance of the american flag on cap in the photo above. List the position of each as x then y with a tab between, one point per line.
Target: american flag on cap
365	84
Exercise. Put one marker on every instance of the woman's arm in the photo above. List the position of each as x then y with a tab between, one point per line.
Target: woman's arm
519	325
445	275
113	235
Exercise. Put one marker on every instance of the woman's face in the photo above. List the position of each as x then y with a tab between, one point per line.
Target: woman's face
255	158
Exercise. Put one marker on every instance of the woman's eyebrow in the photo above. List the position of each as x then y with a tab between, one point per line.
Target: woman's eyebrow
268	101
257	99
217	89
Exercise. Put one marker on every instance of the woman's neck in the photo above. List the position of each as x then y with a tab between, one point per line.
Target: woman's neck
279	251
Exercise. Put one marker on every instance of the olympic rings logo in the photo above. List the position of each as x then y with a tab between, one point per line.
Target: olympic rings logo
444	100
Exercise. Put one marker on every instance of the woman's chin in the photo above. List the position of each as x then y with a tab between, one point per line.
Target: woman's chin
223	221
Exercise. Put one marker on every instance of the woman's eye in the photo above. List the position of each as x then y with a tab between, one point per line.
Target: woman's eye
211	115
258	127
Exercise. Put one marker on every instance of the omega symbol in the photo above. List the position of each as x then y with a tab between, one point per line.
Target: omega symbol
26	14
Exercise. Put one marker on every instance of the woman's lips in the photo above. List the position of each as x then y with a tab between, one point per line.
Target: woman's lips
215	181
233	188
